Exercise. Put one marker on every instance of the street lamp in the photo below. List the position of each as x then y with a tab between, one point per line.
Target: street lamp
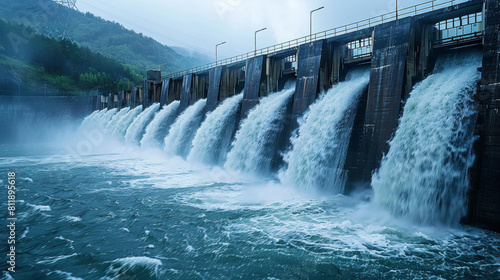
311	20
256	39
397	9
216	51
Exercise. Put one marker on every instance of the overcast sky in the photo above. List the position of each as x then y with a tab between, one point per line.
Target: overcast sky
201	24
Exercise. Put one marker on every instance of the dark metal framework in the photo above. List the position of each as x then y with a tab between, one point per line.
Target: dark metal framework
359	49
462	29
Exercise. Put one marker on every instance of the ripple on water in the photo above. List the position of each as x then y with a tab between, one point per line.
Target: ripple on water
134	268
41	208
332	230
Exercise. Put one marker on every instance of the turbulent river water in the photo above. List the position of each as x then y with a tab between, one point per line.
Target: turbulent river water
160	193
128	213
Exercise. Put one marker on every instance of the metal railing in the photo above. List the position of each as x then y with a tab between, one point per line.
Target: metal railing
341	30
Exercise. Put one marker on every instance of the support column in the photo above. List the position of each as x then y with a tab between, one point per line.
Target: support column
306	89
110	101
387	78
164	91
213	88
145	94
253	77
187	82
133	97
120	99
485	206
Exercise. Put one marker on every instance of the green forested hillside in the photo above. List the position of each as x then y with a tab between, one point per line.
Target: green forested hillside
34	63
109	38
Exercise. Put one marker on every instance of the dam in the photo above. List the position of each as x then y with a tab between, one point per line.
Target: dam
367	151
398	53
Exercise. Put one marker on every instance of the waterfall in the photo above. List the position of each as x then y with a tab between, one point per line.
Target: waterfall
105	118
112	123
159	127
424	175
182	132
123	124
89	119
256	140
213	139
136	129
319	148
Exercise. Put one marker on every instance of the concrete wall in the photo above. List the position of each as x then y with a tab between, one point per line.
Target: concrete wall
402	55
187	82
214	88
253	78
485	196
306	89
33	118
387	76
164	91
174	90
232	80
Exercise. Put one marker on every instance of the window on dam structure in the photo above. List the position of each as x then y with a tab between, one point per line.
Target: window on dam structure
464	29
359	49
289	64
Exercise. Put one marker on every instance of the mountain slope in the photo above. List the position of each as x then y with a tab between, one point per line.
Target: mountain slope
31	63
108	38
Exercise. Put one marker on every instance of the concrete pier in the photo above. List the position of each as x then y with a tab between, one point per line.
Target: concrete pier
187	82
253	79
399	53
232	80
387	76
164	91
485	194
306	89
214	88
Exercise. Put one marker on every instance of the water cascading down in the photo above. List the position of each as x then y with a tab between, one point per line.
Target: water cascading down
213	139
159	127
136	129
319	147
182	132
112	123
122	125
106	117
424	175
88	120
256	140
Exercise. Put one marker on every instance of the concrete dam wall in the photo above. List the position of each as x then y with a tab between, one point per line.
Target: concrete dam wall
289	93
26	116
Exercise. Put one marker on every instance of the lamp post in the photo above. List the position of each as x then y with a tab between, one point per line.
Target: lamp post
397	8
216	51
311	20
255	41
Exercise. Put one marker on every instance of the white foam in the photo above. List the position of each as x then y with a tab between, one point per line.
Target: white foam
72	219
27	179
112	123
52	260
25	232
122	125
182	132
41	208
137	128
66	275
160	126
255	141
127	267
213	138
316	159
424	175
